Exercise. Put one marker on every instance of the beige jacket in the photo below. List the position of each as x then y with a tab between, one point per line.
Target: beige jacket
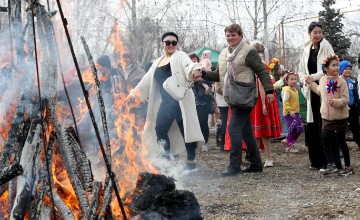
148	89
325	49
339	110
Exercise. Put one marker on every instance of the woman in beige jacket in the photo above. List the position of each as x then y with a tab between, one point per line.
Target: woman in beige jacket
310	69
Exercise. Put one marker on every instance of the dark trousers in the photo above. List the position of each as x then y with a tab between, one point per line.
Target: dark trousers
331	147
203	115
354	123
224	117
340	137
165	117
313	135
239	129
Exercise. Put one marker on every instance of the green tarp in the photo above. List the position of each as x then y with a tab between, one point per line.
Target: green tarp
214	55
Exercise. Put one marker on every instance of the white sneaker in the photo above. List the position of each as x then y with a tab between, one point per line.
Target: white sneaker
204	148
269	163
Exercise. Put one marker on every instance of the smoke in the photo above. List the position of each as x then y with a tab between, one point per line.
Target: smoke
172	167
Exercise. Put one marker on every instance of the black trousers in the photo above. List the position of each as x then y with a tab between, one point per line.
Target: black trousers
354	123
224	117
331	147
313	135
240	128
340	137
203	115
168	112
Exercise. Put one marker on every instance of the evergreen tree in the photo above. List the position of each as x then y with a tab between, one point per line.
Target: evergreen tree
332	29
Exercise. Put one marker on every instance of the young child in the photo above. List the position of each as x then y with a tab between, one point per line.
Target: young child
291	110
345	71
334	94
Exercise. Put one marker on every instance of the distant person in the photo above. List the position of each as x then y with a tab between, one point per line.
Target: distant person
109	76
71	75
223	108
345	69
205	61
265	117
334	94
204	104
310	68
132	74
291	111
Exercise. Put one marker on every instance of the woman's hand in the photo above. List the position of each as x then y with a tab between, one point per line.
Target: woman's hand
292	114
218	89
270	98
226	98
196	75
309	80
264	110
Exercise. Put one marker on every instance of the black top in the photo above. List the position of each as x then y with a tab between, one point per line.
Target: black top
160	75
312	63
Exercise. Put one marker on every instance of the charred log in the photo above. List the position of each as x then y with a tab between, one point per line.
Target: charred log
16	139
106	202
11	195
83	163
26	180
62	208
94	203
16	29
2	141
38	202
101	106
72	169
10	172
3	189
21	202
157	198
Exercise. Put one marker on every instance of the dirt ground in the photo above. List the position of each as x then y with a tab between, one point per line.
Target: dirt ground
289	190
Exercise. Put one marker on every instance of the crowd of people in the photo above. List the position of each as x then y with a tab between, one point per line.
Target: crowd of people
181	91
175	125
324	80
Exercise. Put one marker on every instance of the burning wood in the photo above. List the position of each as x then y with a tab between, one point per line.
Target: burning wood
10	172
91	211
52	173
25	181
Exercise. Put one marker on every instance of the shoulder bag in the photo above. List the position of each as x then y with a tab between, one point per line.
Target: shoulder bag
175	89
242	95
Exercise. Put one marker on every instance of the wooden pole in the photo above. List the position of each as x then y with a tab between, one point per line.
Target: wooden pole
283	43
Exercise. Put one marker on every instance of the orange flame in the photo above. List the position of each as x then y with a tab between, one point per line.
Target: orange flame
63	186
128	154
115	39
4	205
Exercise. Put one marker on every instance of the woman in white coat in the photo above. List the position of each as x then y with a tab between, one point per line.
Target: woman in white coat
310	70
163	111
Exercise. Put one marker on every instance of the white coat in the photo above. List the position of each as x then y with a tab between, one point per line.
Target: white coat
149	90
303	71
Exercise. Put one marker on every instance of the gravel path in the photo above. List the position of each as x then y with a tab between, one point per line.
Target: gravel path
289	190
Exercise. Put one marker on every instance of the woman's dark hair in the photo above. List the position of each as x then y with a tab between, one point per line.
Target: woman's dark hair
192	56
313	25
169	34
234	28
